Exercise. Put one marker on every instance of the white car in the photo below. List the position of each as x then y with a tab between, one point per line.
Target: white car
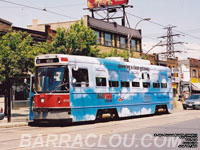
1	113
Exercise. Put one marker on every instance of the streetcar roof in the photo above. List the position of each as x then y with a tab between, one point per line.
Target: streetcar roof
71	59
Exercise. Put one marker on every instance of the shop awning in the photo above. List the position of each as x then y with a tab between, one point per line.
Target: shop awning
195	86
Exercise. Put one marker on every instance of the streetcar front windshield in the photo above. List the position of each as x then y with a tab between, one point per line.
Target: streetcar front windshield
52	79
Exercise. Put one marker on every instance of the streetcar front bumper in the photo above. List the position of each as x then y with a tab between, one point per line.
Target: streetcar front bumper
51	113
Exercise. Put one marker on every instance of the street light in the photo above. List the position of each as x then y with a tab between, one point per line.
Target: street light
131	35
145	19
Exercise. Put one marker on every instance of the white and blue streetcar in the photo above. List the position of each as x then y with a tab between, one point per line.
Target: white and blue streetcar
80	88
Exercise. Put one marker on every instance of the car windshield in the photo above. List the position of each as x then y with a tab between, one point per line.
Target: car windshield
194	97
54	78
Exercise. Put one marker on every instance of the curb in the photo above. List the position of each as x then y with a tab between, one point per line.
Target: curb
13	124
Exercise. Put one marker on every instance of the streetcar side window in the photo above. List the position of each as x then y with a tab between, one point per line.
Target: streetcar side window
148	76
113	84
81	76
124	79
113	78
142	75
125	84
100	81
163	81
156	85
135	84
146	84
145	76
163	85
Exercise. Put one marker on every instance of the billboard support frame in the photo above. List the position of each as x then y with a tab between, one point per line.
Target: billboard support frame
109	10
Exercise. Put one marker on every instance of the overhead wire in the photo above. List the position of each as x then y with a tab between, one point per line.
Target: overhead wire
78	4
63	15
55	13
40	9
164	26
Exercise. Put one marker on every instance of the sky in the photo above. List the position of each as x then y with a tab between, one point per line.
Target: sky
184	14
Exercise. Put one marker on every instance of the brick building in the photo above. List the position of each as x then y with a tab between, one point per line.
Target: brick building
4	26
38	36
194	70
190	75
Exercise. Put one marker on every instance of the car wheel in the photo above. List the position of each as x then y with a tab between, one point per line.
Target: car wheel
184	108
194	107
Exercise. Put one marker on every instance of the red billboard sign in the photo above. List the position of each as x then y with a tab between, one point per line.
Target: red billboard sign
102	3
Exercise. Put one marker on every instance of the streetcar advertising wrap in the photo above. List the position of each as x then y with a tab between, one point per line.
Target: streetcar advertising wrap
80	88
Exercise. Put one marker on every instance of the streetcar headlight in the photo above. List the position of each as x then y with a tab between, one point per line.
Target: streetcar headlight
42	100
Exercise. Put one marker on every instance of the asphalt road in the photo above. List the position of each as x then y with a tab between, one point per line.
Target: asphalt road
171	131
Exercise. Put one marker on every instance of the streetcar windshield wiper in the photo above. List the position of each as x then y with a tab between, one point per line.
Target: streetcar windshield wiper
60	86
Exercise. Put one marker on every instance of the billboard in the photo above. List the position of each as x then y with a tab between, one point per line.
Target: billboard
102	3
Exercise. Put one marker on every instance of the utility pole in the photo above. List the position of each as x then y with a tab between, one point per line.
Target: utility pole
170	42
131	35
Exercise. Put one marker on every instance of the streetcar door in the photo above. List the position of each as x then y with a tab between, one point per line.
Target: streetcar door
31	96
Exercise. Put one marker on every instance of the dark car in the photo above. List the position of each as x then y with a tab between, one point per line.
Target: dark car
192	102
1	113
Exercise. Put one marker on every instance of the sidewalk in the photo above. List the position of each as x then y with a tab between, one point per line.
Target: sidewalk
18	118
177	104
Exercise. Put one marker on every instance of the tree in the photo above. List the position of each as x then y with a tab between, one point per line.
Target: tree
78	40
17	54
59	42
115	53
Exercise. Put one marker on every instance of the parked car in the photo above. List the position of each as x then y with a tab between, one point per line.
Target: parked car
192	102
1	113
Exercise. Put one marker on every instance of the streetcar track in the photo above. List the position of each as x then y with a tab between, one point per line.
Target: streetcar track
95	127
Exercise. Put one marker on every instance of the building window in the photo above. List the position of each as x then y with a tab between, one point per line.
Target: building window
138	46
194	73
81	76
135	84
108	39
133	45
156	85
113	84
146	84
98	34
123	42
125	84
100	81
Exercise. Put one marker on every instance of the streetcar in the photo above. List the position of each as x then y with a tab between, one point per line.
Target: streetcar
81	88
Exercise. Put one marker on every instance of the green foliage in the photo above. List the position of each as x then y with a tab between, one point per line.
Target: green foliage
17	54
59	42
94	52
146	57
115	53
78	40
